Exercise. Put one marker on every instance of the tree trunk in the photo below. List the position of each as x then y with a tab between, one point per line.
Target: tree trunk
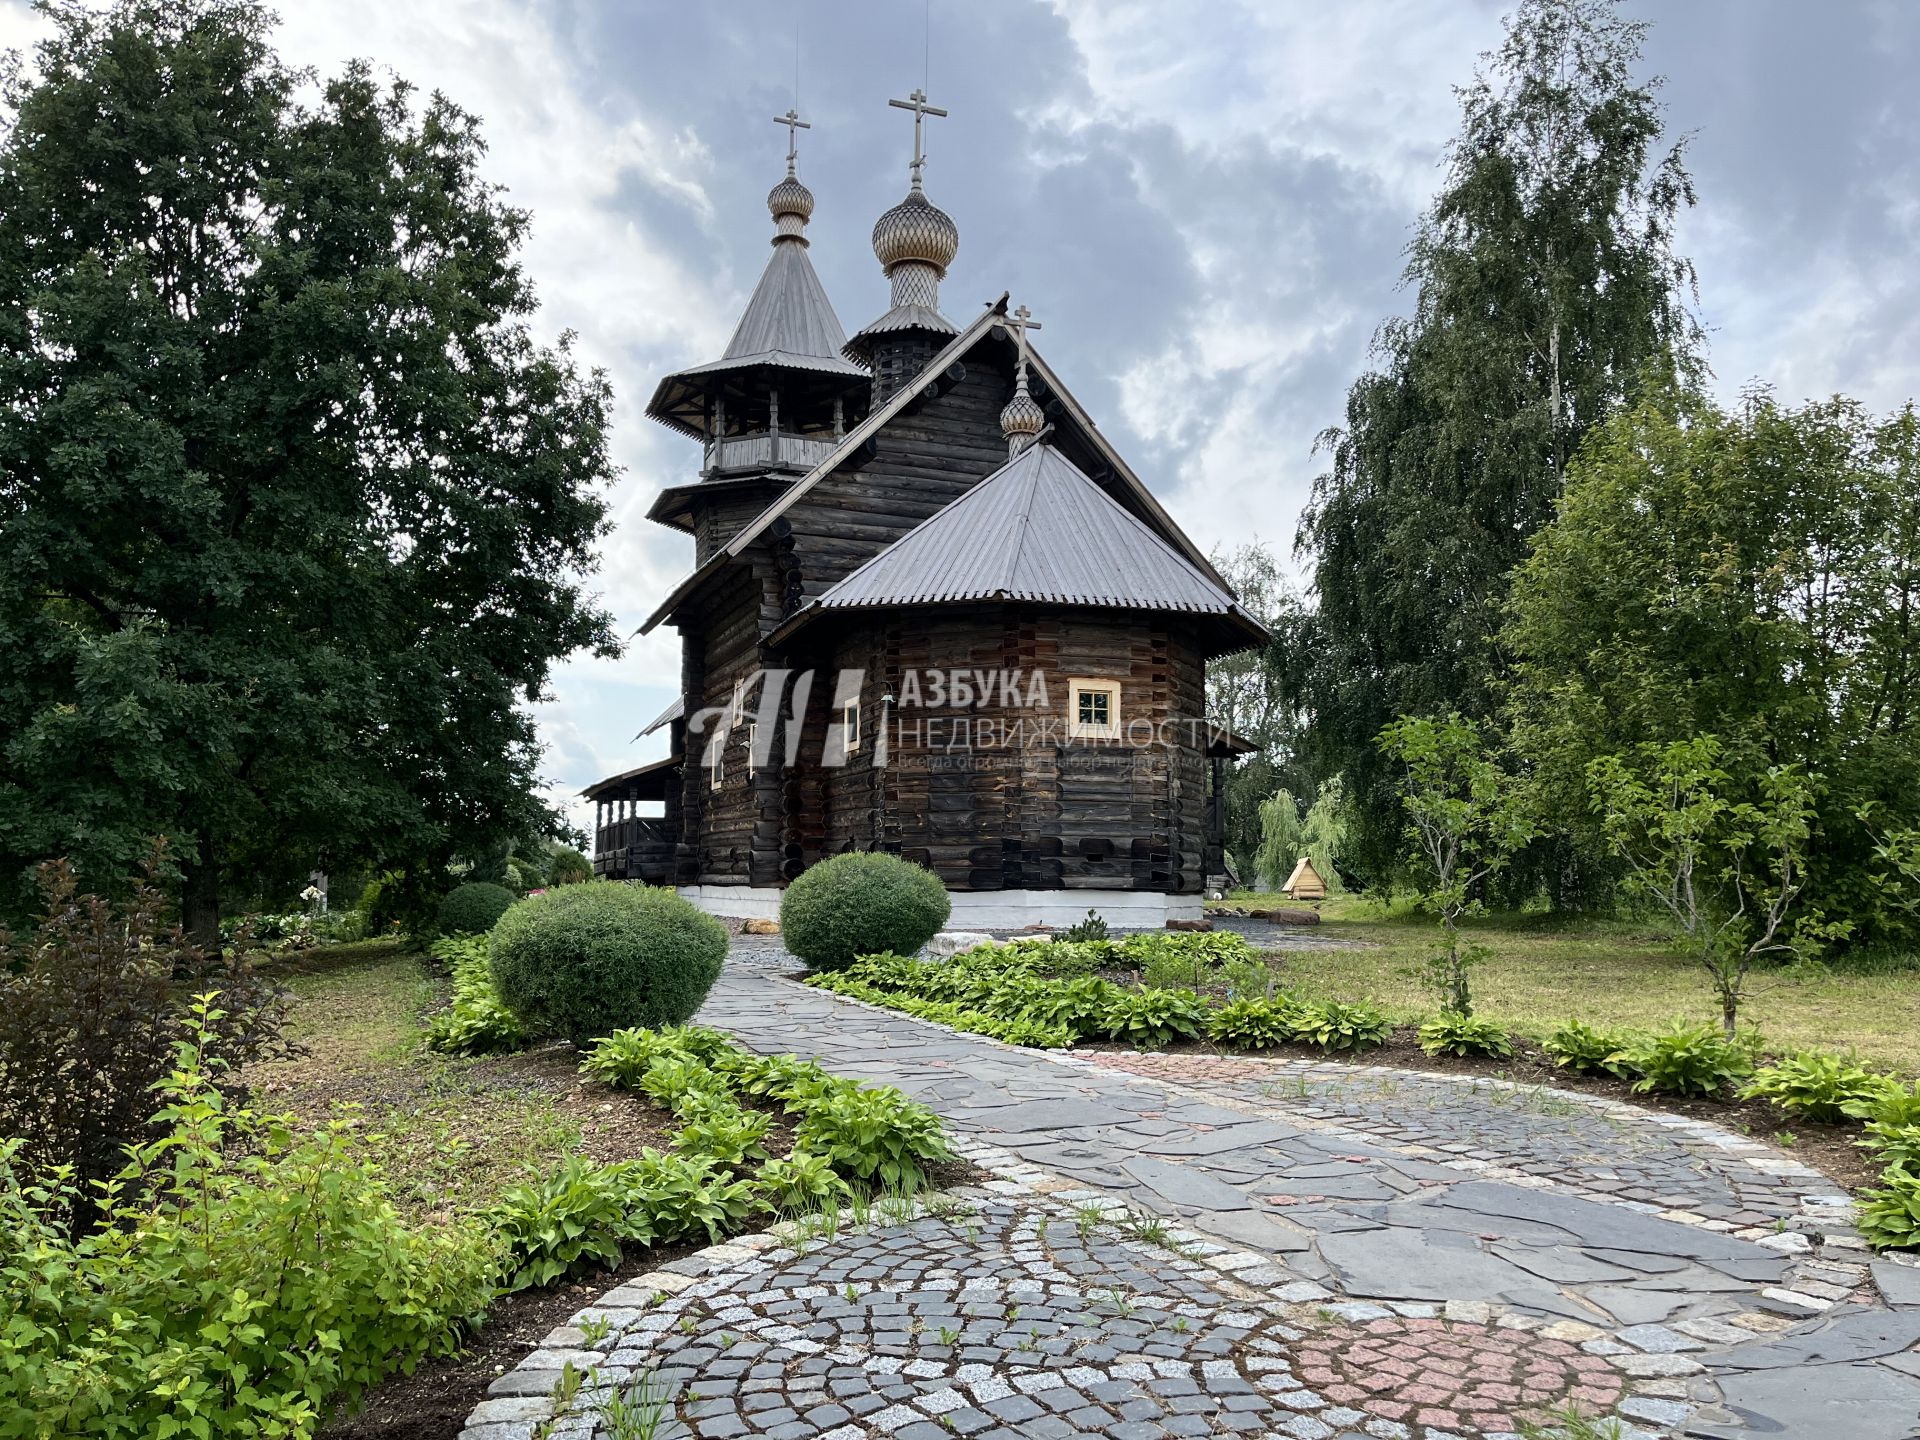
200	897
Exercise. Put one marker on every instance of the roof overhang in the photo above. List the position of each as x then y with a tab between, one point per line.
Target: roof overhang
1227	632
645	782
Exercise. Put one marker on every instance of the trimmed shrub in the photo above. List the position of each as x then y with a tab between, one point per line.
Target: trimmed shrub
474	908
586	960
861	904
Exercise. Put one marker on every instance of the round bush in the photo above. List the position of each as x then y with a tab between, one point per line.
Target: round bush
854	904
474	908
585	960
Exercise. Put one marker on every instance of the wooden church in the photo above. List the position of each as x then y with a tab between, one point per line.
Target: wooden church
932	611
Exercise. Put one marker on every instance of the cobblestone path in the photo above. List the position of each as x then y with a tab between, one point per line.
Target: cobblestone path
1291	1249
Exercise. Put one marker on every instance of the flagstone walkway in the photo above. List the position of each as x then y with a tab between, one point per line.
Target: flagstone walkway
1290	1248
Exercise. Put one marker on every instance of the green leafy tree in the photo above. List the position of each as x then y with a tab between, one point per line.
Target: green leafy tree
1723	859
1466	816
293	508
1256	694
1752	574
1545	283
1286	835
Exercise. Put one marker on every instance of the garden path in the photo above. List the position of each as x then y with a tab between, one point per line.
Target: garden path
1288	1248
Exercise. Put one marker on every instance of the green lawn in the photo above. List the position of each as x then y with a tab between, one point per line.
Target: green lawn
455	1131
1544	970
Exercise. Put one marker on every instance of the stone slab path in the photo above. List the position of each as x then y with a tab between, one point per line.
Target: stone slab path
1195	1245
1703	1264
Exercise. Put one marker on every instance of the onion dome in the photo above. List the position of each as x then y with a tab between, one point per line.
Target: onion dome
791	205
1022	419
916	230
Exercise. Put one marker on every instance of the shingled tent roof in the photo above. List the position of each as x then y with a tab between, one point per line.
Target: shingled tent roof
788	323
1038	529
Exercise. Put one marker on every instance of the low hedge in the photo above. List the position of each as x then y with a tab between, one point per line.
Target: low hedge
861	904
583	960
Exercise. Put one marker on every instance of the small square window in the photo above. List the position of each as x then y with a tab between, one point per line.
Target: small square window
850	727
1093	709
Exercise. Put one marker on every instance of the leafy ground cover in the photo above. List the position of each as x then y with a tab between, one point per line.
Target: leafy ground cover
1541	972
462	1135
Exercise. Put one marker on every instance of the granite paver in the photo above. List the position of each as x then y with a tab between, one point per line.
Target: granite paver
1367	1253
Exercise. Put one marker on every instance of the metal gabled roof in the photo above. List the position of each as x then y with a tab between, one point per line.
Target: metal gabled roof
1037	530
788	323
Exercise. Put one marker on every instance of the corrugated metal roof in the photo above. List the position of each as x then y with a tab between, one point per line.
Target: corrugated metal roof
788	322
789	314
1037	529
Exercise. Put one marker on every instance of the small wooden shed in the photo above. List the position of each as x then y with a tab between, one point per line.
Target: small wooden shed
1305	882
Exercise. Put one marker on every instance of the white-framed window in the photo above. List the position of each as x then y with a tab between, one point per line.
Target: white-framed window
753	735
1093	709
739	701
717	770
850	726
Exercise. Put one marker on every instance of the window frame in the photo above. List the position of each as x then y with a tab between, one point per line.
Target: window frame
1079	685
850	727
753	730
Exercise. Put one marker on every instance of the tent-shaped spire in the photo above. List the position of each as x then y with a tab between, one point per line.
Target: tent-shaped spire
1039	530
788	325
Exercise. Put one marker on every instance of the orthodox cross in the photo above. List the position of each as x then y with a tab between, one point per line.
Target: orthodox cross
917	103
1019	322
794	125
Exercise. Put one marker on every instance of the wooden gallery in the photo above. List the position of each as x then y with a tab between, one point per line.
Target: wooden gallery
932	611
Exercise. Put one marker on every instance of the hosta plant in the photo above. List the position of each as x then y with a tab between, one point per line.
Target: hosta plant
1451	1033
1590	1050
1888	1103
1815	1085
1344	1025
623	1058
688	1196
1150	1019
1889	1216
875	1134
1255	1024
801	1183
724	1133
575	1215
476	1023
1687	1060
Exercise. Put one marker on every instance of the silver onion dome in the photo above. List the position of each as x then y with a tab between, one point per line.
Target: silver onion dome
916	231
1022	419
791	205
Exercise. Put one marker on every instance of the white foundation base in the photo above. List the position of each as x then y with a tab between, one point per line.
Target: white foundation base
986	909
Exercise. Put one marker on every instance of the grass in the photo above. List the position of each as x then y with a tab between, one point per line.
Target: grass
1545	970
455	1131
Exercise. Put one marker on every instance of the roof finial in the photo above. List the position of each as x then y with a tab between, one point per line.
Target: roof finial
794	125
1022	419
917	103
791	202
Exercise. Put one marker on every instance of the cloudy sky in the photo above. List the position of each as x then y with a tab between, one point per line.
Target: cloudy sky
1204	204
